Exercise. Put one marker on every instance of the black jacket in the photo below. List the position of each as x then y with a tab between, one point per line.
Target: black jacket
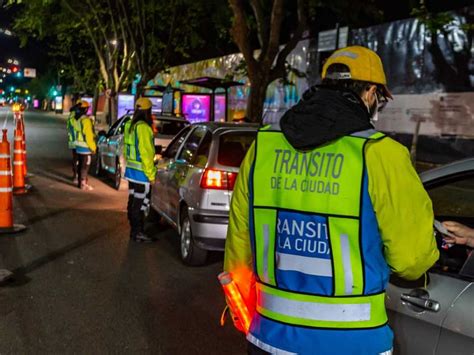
323	115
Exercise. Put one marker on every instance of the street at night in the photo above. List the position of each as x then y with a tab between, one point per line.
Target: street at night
200	177
81	286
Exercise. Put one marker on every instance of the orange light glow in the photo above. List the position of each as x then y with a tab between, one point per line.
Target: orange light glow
235	301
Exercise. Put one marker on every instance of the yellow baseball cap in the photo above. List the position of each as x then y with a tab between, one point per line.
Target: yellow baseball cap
84	104
143	103
363	63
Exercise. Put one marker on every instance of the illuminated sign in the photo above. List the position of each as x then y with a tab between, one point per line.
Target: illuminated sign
196	108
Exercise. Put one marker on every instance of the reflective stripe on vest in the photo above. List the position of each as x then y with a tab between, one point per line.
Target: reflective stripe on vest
320	311
306	232
80	139
132	153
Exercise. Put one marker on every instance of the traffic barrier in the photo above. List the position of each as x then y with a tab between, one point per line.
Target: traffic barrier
6	189
19	185
23	142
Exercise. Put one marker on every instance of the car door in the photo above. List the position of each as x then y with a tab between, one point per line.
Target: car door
116	144
179	169
159	196
105	148
423	314
103	145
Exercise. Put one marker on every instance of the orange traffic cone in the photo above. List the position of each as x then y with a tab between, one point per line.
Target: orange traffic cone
23	142
6	188
19	185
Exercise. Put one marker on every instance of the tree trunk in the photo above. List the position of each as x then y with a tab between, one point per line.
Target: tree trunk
113	107
256	100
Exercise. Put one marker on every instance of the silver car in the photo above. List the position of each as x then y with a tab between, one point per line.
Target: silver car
110	144
439	318
194	184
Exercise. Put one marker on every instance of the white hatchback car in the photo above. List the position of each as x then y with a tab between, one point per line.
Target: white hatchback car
194	184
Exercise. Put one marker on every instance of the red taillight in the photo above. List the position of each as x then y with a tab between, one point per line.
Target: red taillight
218	180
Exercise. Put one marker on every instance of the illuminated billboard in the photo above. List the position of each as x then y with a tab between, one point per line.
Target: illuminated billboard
196	107
126	102
219	108
58	103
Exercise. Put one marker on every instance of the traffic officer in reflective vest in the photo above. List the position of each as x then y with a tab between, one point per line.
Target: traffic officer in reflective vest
324	208
85	144
139	151
71	138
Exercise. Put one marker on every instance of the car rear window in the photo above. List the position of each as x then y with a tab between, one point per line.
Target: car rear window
233	146
169	128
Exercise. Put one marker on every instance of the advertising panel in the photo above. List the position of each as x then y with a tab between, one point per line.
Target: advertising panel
58	103
219	108
196	108
126	102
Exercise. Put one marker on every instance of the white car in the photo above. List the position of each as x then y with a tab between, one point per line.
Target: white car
439	318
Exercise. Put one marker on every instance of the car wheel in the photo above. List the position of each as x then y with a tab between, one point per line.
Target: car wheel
98	165
191	254
118	174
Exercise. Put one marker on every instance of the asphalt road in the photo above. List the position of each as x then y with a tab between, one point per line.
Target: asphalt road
80	286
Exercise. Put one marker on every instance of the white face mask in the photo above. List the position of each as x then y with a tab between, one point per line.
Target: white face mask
375	115
374	110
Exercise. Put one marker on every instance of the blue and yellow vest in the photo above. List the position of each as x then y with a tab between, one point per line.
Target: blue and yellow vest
80	142
71	131
134	168
318	254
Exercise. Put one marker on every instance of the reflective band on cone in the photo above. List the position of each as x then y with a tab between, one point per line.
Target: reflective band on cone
23	144
6	189
19	185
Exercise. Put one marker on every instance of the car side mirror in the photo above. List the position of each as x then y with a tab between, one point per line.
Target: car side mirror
102	133
158	149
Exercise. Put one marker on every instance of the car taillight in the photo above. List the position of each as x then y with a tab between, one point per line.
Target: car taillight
218	180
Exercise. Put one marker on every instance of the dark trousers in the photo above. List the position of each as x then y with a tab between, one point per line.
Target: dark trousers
75	163
83	168
255	350
138	203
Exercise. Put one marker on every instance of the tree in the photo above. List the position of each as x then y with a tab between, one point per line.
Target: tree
265	21
125	37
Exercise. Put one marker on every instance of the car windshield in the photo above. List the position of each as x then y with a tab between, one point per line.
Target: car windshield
233	146
168	127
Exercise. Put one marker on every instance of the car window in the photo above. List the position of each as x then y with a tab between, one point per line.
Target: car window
114	127
168	127
233	146
121	127
173	147
453	200
190	147
202	154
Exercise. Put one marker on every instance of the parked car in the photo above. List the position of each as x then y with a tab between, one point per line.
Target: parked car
110	144
439	318
194	184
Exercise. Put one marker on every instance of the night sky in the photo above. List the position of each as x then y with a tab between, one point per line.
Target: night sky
34	54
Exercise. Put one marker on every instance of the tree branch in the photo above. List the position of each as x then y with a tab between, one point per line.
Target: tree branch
275	29
240	33
100	57
262	26
278	70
